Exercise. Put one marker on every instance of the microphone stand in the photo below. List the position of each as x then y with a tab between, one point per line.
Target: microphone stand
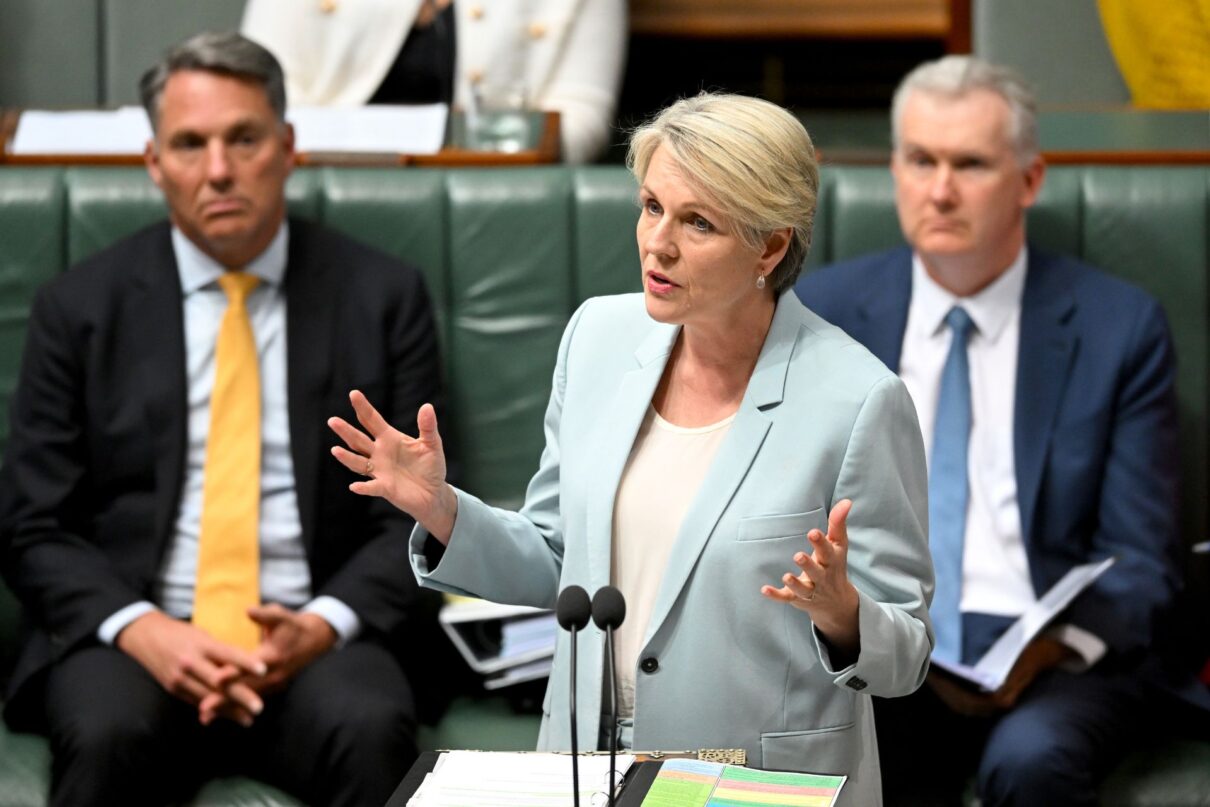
613	716
608	612
572	610
575	758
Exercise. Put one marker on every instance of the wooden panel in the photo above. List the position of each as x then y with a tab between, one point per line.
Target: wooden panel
792	18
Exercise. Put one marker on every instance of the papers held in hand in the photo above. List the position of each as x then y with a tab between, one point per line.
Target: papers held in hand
508	644
990	672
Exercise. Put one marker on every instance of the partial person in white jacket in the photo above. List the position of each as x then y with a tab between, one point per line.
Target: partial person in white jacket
568	54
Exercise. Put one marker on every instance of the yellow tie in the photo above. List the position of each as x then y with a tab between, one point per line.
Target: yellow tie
229	553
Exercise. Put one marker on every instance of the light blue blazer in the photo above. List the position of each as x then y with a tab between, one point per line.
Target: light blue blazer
822	420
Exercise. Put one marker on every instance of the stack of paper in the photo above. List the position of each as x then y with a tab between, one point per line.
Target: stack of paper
508	644
527	780
123	131
418	129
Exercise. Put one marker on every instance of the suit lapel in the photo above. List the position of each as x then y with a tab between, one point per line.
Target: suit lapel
615	439
882	310
735	456
1047	348
158	328
311	294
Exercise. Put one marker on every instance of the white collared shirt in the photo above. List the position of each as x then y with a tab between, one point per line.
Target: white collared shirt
995	570
284	574
995	567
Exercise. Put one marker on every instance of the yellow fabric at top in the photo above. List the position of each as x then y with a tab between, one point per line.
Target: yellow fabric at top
1162	48
228	573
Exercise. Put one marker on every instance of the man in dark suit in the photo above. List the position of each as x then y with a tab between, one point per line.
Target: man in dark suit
1046	399
117	521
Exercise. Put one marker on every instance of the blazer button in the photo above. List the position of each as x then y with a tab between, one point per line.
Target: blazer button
649	664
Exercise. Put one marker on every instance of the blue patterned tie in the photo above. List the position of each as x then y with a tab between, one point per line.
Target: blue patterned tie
948	489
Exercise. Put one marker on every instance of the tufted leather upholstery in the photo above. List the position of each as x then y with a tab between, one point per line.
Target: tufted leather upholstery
509	253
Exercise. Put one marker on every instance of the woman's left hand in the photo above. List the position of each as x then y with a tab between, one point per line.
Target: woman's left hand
822	589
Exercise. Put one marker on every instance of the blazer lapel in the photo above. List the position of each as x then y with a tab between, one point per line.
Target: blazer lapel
158	328
616	438
766	389
311	294
882	310
1047	348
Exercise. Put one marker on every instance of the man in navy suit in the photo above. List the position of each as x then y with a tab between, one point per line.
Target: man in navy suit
101	492
1067	422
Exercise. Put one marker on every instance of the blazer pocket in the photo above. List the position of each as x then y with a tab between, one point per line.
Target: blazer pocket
833	750
765	528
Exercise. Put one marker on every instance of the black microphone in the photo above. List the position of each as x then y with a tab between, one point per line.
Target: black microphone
608	611
572	611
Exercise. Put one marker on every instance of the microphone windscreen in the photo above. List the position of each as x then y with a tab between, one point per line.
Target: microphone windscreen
573	608
608	607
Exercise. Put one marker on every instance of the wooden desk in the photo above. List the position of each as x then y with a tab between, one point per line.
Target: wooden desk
544	151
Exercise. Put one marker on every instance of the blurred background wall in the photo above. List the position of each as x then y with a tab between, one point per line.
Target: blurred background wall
836	62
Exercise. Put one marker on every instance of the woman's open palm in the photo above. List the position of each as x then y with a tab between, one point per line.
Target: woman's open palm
409	472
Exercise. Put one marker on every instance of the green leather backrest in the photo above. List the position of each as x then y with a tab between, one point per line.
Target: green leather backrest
32	222
509	253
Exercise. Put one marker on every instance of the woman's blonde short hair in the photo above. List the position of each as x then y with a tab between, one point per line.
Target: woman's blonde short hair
750	159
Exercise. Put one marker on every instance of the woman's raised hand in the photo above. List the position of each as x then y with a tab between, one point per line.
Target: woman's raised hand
409	472
822	587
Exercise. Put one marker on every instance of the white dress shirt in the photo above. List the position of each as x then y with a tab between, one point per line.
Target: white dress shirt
284	575
995	567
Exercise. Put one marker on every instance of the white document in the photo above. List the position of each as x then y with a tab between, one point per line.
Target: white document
991	671
418	129
524	779
415	129
533	671
493	637
106	131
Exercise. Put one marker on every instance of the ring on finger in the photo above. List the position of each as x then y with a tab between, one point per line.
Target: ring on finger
369	471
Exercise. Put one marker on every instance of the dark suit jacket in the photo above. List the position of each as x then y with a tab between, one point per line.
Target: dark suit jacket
92	478
1094	431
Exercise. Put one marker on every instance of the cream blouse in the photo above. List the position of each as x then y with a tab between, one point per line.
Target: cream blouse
662	476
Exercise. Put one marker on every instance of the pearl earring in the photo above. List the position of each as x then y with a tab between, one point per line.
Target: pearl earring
760	281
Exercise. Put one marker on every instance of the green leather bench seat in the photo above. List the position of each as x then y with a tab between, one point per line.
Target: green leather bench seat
509	253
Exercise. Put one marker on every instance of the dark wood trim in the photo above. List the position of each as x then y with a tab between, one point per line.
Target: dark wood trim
958	40
783	19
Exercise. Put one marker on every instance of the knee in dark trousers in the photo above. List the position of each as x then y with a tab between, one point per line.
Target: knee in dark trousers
116	736
347	728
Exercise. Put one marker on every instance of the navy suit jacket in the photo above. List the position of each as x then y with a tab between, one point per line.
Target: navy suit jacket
1094	426
91	481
